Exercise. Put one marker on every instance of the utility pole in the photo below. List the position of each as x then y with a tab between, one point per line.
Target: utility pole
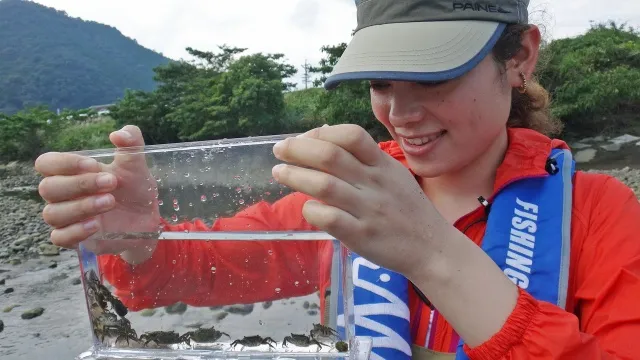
306	76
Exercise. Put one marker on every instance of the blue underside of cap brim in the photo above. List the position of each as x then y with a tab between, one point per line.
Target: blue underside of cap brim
333	81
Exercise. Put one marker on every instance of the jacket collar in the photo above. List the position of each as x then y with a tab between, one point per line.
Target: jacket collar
526	155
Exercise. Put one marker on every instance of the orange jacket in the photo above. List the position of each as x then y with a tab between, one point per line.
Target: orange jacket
602	315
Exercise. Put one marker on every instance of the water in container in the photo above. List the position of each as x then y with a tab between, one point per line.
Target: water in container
205	256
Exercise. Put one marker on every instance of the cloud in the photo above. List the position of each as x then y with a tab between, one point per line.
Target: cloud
297	28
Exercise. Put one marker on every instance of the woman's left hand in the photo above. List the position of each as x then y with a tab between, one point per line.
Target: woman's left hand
366	199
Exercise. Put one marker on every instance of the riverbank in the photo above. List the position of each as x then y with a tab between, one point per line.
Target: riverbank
41	299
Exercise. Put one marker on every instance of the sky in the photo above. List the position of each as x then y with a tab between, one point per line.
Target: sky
296	28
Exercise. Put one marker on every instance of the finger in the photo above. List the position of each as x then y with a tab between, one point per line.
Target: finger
321	155
322	186
352	138
61	188
55	163
130	146
63	214
69	236
330	219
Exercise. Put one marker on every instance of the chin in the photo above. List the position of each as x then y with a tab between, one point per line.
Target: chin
430	169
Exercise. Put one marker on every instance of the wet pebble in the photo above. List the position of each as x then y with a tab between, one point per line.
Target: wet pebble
177	308
312	312
267	304
9	308
222	315
147	312
1	326
76	281
2	281
33	313
306	305
244	309
8	290
53	265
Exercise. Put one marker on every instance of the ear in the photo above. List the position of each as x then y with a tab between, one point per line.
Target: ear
526	59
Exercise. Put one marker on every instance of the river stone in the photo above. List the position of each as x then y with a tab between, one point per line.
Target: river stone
33	313
48	249
177	308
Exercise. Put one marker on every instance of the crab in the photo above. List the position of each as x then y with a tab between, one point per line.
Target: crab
162	337
255	340
301	340
102	295
108	324
322	331
204	335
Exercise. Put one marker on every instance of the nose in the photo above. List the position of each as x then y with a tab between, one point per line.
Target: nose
406	105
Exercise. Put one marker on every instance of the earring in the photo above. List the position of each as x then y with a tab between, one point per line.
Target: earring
523	88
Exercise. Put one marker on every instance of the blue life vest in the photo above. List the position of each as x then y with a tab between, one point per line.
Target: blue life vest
523	212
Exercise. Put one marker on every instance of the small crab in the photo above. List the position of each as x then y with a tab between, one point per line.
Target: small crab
255	340
162	337
102	295
322	331
108	324
203	335
301	340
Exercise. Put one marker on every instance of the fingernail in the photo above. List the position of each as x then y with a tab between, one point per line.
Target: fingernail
278	146
103	201
276	170
91	225
325	125
87	164
104	180
125	134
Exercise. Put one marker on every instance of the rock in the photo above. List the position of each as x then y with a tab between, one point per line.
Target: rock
312	312
624	139
53	265
2	281
4	254
147	312
177	308
48	250
33	313
15	261
76	281
222	315
267	304
585	155
244	309
578	146
9	308
8	290
305	305
1	326
611	147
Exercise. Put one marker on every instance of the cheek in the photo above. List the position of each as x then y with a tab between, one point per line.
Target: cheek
381	109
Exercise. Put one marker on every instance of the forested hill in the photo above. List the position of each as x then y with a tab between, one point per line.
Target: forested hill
50	58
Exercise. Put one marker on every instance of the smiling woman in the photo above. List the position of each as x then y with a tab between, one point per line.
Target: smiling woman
512	253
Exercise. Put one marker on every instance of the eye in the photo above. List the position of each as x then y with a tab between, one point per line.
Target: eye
378	85
431	83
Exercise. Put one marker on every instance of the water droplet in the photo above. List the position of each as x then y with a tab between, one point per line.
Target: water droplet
216	194
190	204
238	190
174	217
176	207
241	201
246	260
203	198
270	252
213	269
150	188
277	290
186	174
260	322
296	283
175	201
174	261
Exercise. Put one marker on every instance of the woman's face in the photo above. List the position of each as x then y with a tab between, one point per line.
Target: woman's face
442	128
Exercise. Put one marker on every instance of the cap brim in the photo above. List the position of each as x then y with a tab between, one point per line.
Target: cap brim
415	51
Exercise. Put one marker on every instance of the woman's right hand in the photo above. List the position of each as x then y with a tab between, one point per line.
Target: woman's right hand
85	196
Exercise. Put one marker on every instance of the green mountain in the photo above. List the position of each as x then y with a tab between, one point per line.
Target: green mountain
49	58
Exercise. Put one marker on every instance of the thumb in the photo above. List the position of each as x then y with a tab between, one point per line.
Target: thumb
130	146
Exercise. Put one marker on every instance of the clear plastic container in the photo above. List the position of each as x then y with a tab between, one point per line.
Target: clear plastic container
207	257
